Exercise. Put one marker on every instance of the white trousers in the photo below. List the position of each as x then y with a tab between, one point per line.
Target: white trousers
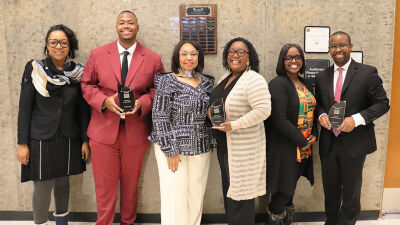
182	192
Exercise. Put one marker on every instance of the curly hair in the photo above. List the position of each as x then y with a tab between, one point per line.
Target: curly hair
253	56
175	65
280	66
73	42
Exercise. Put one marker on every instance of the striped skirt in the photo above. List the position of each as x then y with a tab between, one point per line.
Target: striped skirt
58	156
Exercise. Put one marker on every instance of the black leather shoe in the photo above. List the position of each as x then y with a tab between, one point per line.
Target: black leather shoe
275	219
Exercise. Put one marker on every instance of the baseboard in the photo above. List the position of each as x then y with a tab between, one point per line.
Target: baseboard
155	218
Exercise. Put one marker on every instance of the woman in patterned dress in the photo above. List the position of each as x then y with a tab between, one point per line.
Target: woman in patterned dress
52	121
291	131
181	136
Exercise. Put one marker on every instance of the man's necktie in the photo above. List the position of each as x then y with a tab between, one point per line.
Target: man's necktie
124	68
338	92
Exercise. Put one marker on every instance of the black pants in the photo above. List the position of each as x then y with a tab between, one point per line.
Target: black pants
342	180
238	212
279	201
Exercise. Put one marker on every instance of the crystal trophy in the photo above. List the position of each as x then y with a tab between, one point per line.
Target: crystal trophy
217	112
336	114
126	98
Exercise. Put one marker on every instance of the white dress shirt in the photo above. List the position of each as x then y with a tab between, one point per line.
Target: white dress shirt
121	52
358	119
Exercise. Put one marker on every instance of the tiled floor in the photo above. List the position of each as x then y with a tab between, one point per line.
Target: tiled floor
369	222
391	219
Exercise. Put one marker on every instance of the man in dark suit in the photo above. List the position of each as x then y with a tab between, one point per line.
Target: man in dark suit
118	140
343	150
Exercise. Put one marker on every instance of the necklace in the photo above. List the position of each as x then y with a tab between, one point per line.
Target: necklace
187	74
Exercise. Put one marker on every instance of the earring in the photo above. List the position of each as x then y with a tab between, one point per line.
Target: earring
47	53
248	66
67	62
181	71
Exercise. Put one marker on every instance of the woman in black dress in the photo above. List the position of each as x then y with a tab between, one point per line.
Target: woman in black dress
291	130
52	124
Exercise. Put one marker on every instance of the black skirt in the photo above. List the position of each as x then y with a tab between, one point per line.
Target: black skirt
58	156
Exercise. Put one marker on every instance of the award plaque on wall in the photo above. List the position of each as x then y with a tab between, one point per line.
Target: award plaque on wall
316	39
313	67
357	56
199	23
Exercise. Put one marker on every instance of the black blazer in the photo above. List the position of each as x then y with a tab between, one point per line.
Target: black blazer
39	117
283	137
363	92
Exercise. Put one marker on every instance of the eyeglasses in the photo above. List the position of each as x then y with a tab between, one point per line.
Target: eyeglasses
54	42
185	54
239	52
340	46
289	58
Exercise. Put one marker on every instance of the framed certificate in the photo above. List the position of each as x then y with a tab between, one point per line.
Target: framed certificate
316	39
357	56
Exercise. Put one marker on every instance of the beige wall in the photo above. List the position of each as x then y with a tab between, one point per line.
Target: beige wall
267	24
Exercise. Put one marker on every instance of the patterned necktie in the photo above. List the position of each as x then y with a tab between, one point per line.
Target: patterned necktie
124	67
338	92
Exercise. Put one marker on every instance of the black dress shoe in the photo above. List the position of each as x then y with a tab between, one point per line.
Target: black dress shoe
275	219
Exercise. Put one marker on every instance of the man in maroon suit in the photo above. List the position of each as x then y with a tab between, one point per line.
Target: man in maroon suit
118	139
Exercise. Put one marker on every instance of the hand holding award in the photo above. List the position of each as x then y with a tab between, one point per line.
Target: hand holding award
336	114
217	112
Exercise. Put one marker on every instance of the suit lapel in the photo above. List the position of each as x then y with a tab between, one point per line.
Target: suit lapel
136	62
349	76
115	61
330	85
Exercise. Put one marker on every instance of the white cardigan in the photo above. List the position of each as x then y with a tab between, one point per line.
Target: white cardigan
247	106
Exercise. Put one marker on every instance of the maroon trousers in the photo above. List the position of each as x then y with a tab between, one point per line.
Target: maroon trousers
112	163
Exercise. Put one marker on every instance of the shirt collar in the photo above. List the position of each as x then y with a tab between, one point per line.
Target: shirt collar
122	49
345	66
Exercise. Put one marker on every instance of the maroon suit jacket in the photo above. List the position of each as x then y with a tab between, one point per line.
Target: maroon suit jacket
100	79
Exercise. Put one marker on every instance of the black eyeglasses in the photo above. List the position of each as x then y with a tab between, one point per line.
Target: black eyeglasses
340	46
54	42
239	52
289	58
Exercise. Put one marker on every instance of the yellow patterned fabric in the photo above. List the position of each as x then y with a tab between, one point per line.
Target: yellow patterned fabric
306	117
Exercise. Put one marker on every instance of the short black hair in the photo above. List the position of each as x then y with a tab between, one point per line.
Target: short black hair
253	56
128	11
73	41
280	66
342	32
175	65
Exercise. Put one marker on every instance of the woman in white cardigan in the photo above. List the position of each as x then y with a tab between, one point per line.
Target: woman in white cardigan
241	139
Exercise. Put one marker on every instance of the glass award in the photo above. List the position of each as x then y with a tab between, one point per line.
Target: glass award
217	112
336	114
126	98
